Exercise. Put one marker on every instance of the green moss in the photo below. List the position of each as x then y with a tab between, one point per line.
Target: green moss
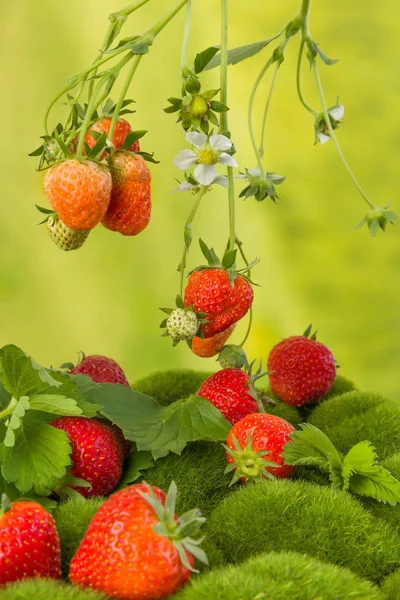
279	576
386	512
47	589
168	386
357	416
390	587
341	385
198	474
303	517
285	411
72	520
312	475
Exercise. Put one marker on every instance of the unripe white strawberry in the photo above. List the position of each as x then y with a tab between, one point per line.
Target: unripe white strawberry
65	237
182	324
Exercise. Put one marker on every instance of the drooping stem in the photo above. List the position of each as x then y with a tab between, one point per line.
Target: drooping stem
186	35
248	327
161	23
334	139
250	115
267	105
188	235
298	81
124	91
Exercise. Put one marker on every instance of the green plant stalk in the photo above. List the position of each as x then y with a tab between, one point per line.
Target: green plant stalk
186	35
335	140
187	234
248	328
124	91
267	105
298	81
159	26
223	126
250	115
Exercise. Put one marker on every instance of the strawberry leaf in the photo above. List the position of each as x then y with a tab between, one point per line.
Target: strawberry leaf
39	457
160	429
203	58
311	447
134	465
236	55
22	376
55	404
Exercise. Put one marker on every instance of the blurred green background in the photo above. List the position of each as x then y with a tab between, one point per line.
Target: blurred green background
315	268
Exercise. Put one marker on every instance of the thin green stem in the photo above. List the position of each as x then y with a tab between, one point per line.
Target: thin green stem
267	105
304	12
9	410
169	15
298	81
248	327
334	139
250	114
186	35
132	71
188	234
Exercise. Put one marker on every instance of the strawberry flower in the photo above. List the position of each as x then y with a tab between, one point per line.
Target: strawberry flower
321	128
208	150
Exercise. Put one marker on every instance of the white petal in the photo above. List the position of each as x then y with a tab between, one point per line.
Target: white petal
323	138
205	174
222	180
227	159
197	139
254	172
185	159
220	142
184	187
337	112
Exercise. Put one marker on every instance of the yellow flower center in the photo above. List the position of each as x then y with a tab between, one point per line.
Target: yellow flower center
207	156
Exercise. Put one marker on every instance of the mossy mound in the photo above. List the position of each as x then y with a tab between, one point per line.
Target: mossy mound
302	517
47	589
282	410
72	520
279	576
390	587
386	512
198	473
357	416
168	386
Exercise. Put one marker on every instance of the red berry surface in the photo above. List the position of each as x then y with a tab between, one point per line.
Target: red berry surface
121	554
207	347
301	370
79	192
228	390
270	433
97	454
101	369
210	291
130	205
29	543
122	128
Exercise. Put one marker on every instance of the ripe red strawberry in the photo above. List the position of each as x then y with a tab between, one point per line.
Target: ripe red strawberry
29	542
210	291
301	370
231	392
125	444
79	192
101	369
135	548
122	128
254	443
97	455
213	345
130	206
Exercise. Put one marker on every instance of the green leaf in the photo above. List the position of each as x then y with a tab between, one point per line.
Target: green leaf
236	55
229	259
206	252
55	404
5	397
133	137
203	58
21	375
99	147
311	446
160	429
37	152
19	408
137	462
39	458
378	483
360	458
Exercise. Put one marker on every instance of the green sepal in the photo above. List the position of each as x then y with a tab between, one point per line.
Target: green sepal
203	58
133	137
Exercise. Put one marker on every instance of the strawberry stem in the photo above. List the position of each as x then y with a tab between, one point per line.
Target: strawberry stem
134	66
188	235
186	35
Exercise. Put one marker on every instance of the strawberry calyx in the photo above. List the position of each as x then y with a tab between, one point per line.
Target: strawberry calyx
66	487
247	462
258	396
183	323
178	530
233	357
228	263
310	336
5	504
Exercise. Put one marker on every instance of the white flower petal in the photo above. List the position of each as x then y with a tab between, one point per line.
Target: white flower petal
185	159
205	174
222	180
220	142
323	138
254	172
337	112
196	139
227	159
184	187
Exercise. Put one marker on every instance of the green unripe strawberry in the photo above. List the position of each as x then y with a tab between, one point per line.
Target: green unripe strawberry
64	237
198	107
182	324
